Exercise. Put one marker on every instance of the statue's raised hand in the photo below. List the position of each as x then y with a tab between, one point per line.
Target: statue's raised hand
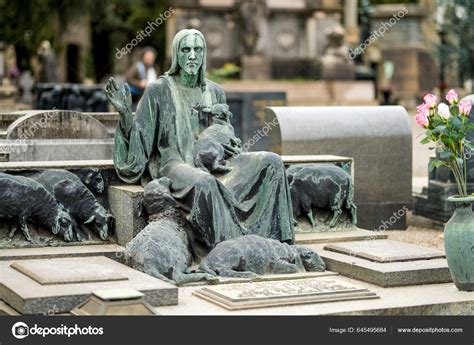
121	100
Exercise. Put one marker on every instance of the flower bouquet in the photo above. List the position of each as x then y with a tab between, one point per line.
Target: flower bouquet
446	126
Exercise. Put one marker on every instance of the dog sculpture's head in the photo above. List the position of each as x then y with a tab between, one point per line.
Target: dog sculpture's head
311	260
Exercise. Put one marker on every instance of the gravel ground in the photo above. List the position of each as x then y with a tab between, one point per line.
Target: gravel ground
417	235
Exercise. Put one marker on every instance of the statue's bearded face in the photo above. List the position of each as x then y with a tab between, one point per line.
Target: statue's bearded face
191	54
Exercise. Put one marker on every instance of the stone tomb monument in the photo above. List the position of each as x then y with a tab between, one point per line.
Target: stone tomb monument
56	135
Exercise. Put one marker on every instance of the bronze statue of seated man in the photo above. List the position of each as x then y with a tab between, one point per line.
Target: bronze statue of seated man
251	196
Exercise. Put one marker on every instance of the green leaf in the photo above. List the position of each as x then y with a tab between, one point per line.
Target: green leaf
434	163
459	161
456	122
439	129
425	140
445	154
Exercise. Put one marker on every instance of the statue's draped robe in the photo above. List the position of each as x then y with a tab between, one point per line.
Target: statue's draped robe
253	198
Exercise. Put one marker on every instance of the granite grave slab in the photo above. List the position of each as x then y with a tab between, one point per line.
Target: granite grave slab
72	281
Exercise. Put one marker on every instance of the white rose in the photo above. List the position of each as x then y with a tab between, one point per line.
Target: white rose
443	110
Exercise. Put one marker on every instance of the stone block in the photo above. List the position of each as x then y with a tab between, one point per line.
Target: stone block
125	204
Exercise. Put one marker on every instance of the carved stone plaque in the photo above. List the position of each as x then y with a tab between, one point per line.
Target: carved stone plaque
385	251
280	293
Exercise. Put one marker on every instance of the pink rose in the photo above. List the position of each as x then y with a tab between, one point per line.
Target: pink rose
422	120
423	109
452	96
465	107
430	100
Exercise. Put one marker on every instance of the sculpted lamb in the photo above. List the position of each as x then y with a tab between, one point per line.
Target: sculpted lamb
209	151
78	200
323	186
24	200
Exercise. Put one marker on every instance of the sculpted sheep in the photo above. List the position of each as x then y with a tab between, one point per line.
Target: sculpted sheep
162	248
78	200
209	152
251	255
93	179
24	199
323	186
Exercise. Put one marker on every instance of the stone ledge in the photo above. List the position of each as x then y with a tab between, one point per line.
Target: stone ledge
112	251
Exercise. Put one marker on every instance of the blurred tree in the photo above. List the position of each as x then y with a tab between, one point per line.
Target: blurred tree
117	22
26	23
457	25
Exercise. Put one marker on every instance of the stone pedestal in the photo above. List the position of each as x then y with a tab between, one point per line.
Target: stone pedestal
256	67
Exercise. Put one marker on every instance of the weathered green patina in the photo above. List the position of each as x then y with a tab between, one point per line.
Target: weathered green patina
252	198
459	243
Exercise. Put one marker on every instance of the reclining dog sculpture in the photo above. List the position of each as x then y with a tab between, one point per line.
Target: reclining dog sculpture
78	200
251	255
24	199
209	152
162	248
321	185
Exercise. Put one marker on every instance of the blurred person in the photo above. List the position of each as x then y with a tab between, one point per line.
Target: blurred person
141	74
48	66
